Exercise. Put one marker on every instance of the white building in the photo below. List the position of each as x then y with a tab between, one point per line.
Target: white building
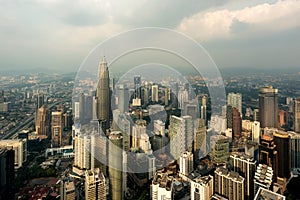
20	148
255	131
95	185
235	100
202	188
162	186
186	163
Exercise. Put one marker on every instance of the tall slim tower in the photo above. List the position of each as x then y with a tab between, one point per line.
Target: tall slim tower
297	115
268	107
56	129
235	100
103	94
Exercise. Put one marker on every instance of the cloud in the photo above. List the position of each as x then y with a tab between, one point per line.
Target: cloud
259	19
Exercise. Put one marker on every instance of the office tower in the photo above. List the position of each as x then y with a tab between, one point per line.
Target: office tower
235	100
191	110
154	91
199	139
268	154
67	119
263	177
229	116
282	142
245	166
162	186
82	151
202	187
7	173
103	94
137	131
137	87
56	129
229	184
82	112
76	112
123	99
145	144
268	194
145	95
297	115
295	150
268	107
95	185
88	116
20	150
255	130
42	125
125	126
186	162
219	146
236	123
183	96
115	165
181	135
217	123
256	116
67	190
99	152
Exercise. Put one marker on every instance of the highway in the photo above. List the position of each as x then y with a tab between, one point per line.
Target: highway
13	133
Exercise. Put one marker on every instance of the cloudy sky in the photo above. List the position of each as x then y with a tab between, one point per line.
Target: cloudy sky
58	34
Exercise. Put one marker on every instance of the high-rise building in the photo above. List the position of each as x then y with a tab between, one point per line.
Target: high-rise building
186	163
67	190
236	123
20	150
7	174
115	165
282	142
202	188
82	149
95	185
56	129
123	99
255	130
297	115
295	149
103	94
245	166
199	139
235	100
268	154
268	107
183	97
219	148
229	184
39	100
137	87
137	131
154	91
162	186
263	193
229	116
42	124
88	116
181	135
263	177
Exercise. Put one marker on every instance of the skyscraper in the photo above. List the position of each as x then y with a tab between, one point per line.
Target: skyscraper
202	188
154	93
103	94
115	165
235	100
186	163
245	166
123	99
199	139
7	174
297	115
219	145
295	150
181	135
42	124
229	184
268	107
95	185
263	177
56	129
255	130
282	141
137	87
236	123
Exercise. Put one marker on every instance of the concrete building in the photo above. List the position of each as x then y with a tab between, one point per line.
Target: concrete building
202	188
67	191
295	149
219	146
162	187
263	178
297	115
282	142
181	135
56	129
20	148
186	163
154	90
255	130
245	166
268	194
235	100
268	107
95	185
199	147
229	184
42	124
